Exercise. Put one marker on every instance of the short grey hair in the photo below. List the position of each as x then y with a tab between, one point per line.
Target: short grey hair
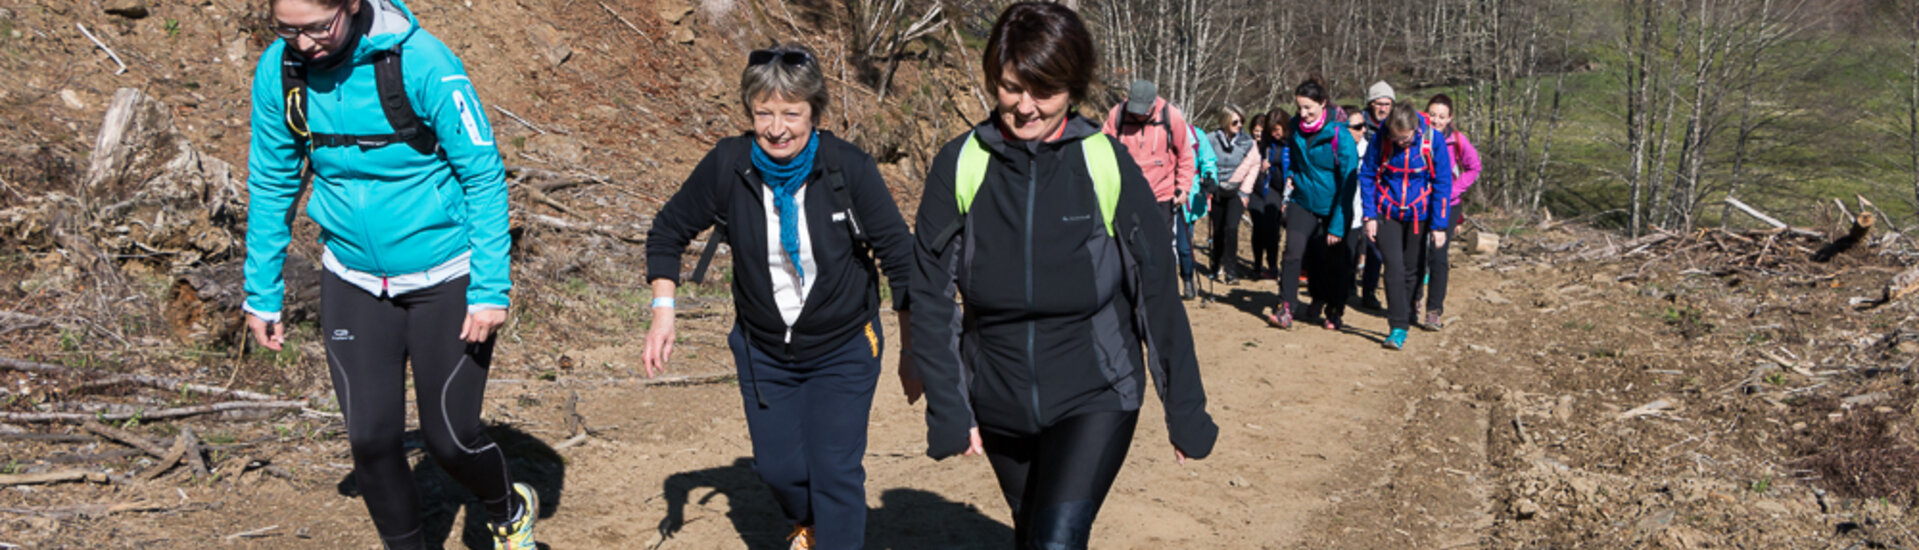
778	79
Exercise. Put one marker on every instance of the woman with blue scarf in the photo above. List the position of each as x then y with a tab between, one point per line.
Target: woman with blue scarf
805	213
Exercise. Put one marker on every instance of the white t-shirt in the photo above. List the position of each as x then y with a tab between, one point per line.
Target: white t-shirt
788	290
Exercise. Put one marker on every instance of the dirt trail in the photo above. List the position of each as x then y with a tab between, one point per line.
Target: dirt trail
1312	422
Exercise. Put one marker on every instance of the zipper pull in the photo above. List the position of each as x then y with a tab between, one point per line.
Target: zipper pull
789	335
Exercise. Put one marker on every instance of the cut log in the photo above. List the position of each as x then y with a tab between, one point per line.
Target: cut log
203	306
1485	243
1861	227
159	382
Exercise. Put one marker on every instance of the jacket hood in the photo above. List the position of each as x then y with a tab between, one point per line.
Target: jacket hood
393	24
1077	127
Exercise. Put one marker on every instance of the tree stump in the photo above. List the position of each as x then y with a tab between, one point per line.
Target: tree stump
203	305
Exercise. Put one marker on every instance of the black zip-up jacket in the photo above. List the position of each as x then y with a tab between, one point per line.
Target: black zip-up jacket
845	294
1053	321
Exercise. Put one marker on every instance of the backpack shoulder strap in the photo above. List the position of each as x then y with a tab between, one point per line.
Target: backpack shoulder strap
843	207
719	230
1102	163
407	128
293	85
971	172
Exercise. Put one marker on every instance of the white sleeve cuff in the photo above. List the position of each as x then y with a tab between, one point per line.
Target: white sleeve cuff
476	308
270	318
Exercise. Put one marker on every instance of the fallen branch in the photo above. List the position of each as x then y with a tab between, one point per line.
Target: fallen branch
51	477
516	118
554	181
629	24
193	457
1782	226
11	321
167	462
556	223
178	412
91	510
103	46
1652	408
124	438
46	438
261	532
156	382
1901	285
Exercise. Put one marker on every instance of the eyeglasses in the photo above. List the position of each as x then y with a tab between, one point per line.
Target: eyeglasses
788	57
1360	126
315	32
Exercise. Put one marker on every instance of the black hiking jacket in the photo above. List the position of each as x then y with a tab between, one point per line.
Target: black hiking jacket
1055	312
845	295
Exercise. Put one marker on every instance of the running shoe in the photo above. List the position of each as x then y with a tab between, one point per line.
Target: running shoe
1334	324
801	539
1397	340
517	534
1433	322
1280	317
1188	291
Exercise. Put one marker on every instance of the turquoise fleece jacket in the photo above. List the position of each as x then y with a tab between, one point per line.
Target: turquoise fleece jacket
385	211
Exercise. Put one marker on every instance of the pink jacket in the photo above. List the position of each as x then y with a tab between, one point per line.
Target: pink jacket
1248	173
1168	166
1465	163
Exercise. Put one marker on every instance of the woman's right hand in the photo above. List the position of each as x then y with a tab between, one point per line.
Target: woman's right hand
974	446
267	334
659	342
1372	230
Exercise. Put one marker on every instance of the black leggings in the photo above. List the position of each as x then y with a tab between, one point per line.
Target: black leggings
1266	226
1226	213
369	341
1331	265
1055	481
1402	247
1436	268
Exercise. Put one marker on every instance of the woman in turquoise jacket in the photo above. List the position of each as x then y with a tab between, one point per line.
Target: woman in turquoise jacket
1321	165
410	197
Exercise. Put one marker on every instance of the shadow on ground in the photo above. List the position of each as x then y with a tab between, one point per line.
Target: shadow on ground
530	460
906	518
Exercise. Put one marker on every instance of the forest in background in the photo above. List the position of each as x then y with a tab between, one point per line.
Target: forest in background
1632	113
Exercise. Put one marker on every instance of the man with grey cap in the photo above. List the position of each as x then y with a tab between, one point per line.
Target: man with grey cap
1157	135
1379	103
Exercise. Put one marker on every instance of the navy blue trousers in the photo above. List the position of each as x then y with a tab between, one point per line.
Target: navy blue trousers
808	424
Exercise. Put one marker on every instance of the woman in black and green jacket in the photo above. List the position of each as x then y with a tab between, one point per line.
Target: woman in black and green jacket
1041	368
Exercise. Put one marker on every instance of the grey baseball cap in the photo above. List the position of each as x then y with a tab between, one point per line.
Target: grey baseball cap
1139	99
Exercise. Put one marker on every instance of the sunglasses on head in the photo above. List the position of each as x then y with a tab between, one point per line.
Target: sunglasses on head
788	57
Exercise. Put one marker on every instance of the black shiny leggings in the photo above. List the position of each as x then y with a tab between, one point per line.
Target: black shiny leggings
369	342
1056	480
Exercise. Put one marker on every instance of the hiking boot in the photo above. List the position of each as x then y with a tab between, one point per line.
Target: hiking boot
1397	340
801	539
1334	324
1188	291
517	533
1433	322
1226	276
1312	314
1280	317
1269	275
1372	303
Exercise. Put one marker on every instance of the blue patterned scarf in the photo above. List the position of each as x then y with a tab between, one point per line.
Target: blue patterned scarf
784	180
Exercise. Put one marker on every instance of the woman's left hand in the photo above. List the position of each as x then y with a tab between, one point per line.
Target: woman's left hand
1179	455
1439	239
480	324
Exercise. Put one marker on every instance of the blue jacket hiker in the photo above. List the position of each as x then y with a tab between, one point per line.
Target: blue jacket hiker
1404	189
411	201
1323	164
1410	185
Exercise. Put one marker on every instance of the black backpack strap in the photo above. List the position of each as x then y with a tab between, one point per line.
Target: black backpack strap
719	227
293	85
843	206
406	124
391	79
